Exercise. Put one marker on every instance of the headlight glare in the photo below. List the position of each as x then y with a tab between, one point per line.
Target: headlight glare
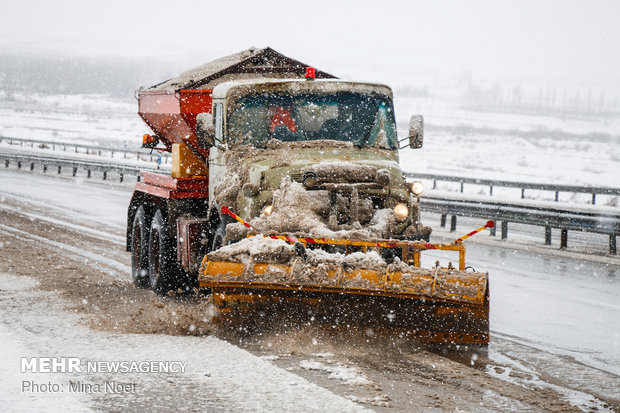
401	212
417	188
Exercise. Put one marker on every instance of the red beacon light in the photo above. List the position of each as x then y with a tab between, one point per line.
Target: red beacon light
310	73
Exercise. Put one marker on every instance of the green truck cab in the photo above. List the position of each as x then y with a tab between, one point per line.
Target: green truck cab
337	138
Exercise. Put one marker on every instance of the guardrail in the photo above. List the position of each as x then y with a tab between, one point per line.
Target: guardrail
599	190
165	158
88	149
73	165
563	218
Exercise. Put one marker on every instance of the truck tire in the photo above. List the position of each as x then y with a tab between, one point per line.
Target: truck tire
164	273
140	249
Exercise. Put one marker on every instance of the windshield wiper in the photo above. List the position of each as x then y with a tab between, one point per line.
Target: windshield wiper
372	126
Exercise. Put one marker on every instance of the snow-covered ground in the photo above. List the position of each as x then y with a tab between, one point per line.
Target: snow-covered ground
511	146
85	119
217	374
553	321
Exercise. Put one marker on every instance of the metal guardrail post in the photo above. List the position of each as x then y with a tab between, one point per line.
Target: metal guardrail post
557	196
442	222
547	235
504	229
522	193
563	239
453	223
612	244
593	199
491	192
493	230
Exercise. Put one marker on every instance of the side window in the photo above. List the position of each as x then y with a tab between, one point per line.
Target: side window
218	122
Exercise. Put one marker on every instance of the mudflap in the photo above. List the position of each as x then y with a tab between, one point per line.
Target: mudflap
427	320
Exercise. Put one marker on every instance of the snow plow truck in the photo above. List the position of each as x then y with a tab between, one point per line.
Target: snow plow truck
285	196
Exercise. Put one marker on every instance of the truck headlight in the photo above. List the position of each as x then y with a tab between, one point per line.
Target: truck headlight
267	210
401	212
417	188
309	180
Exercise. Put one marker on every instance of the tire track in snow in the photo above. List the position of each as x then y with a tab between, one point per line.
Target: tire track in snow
87	202
522	363
74	251
61	210
219	376
117	239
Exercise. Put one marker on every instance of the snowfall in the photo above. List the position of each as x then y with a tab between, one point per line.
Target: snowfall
555	315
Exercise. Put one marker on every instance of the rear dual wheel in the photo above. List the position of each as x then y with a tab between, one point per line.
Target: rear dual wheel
163	271
153	255
140	249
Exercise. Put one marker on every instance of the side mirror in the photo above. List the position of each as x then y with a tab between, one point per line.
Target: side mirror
205	130
416	131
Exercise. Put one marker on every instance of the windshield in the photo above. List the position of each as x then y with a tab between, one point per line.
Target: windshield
364	119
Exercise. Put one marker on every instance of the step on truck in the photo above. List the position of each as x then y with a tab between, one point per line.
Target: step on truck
285	199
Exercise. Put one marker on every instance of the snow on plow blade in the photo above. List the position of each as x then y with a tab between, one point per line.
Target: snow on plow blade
438	305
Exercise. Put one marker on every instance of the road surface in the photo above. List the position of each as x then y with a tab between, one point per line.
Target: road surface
66	291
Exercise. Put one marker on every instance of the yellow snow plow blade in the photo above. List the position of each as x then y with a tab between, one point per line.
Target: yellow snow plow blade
443	305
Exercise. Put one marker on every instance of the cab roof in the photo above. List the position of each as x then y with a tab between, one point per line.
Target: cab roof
252	63
225	89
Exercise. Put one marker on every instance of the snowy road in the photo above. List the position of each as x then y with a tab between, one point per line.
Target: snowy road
65	291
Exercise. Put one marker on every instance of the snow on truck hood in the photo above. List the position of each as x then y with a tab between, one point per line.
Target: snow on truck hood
340	163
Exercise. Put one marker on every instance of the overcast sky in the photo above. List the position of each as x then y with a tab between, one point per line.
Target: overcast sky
539	41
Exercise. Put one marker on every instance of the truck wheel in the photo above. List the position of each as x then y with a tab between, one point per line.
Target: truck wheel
140	249
162	263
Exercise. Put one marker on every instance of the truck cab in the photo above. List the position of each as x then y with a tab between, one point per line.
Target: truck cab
334	137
